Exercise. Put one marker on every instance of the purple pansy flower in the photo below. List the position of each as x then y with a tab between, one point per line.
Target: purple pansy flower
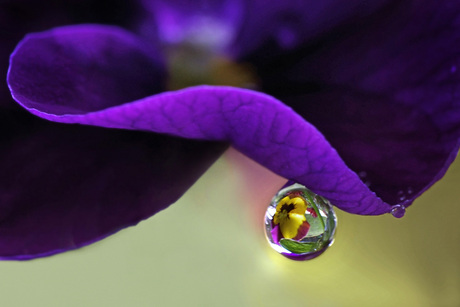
355	100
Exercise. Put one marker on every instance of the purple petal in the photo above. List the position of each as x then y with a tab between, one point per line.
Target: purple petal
19	17
258	125
276	234
243	25
398	151
383	90
290	23
79	61
65	187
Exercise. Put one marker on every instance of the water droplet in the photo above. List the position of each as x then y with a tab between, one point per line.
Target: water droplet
398	211
300	224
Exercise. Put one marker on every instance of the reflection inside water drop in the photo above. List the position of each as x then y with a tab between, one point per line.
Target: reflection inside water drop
300	224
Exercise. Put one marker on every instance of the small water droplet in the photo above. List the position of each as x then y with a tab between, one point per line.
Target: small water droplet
362	174
398	211
410	190
300	224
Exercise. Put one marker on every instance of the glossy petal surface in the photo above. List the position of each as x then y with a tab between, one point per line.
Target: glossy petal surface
260	126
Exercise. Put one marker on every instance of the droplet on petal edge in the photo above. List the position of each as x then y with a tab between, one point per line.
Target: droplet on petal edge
398	211
300	224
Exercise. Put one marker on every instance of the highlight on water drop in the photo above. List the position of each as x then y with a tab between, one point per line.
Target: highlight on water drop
300	224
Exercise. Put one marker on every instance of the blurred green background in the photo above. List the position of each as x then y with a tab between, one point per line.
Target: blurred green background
209	249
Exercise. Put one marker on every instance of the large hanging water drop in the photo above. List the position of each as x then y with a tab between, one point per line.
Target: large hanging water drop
300	224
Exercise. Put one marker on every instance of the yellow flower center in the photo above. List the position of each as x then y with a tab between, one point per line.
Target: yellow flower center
290	215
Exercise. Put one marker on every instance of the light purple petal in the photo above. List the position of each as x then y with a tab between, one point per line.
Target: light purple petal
260	126
92	67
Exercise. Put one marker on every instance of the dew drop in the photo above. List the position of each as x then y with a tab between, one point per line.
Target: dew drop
300	224
398	211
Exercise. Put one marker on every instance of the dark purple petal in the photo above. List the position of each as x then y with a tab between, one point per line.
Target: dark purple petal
244	25
258	125
65	186
289	24
382	87
62	186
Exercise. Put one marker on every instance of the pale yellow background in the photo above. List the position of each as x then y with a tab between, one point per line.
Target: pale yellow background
209	250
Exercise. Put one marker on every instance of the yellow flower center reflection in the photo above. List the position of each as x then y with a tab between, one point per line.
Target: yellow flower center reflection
290	216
